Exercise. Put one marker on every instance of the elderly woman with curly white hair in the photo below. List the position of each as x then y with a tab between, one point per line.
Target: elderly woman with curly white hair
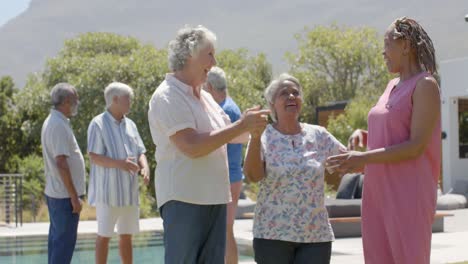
291	222
190	131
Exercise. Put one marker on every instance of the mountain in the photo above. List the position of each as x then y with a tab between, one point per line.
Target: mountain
260	26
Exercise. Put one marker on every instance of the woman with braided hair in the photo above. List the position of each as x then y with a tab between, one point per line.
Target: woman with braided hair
402	161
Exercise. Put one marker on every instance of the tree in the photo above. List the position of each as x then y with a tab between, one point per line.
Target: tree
355	117
247	76
10	134
337	63
92	60
33	104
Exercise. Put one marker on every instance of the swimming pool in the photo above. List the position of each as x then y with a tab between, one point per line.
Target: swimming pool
147	248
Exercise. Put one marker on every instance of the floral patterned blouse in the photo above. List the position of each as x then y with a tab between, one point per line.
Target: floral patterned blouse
290	203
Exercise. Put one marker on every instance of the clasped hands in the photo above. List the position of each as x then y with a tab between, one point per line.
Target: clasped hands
349	160
346	162
130	165
255	119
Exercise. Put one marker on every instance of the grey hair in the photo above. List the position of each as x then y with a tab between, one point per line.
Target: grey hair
188	42
272	90
60	92
217	78
116	89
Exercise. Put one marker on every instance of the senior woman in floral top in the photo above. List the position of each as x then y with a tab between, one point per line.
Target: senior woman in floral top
287	159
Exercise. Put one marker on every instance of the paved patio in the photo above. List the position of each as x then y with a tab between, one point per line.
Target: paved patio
447	247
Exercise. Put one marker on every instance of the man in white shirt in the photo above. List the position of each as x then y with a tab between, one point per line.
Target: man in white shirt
65	173
190	131
117	155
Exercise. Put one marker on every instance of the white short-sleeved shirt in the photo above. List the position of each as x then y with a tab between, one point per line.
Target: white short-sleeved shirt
116	140
204	180
290	203
57	139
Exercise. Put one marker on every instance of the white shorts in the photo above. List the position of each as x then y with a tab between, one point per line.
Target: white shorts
126	218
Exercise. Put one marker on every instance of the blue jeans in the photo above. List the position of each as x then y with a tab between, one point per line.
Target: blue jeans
284	252
194	233
62	230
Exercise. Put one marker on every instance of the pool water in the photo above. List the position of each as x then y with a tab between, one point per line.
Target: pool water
147	248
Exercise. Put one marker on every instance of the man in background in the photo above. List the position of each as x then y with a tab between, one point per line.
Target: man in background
64	172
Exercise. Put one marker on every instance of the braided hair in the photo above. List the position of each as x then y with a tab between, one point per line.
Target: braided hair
407	28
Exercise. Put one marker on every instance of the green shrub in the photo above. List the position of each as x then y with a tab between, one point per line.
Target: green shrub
32	167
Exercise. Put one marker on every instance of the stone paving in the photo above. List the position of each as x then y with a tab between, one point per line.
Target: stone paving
448	247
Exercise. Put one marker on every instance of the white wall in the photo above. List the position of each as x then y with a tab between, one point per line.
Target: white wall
454	85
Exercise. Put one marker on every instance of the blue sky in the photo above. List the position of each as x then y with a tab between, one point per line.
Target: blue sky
11	8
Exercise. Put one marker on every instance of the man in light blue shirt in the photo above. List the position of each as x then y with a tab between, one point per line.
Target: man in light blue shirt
65	173
117	156
216	85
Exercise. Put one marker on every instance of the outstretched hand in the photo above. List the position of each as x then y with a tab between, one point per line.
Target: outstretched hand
346	162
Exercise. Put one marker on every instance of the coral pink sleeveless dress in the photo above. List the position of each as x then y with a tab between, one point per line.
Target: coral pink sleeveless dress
399	199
